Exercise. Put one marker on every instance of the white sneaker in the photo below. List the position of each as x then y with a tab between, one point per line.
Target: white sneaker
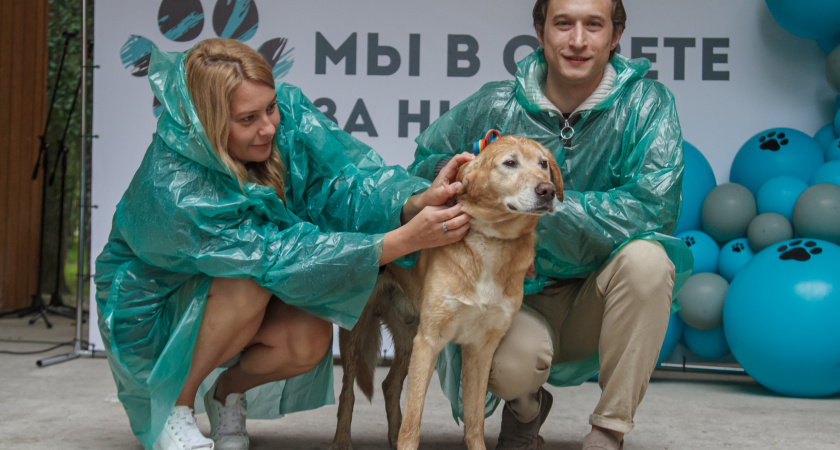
181	432
227	422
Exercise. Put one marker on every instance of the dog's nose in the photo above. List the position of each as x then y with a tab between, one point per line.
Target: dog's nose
545	190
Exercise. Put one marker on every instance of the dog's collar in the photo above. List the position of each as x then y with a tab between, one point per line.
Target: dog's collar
480	144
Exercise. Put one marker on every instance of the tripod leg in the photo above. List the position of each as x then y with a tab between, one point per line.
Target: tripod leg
41	313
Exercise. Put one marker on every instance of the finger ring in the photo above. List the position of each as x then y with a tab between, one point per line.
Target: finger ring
444	227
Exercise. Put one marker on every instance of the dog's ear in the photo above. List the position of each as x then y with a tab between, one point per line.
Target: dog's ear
465	177
556	178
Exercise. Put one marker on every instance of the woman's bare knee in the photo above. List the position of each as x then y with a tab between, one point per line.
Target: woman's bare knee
311	341
302	338
247	296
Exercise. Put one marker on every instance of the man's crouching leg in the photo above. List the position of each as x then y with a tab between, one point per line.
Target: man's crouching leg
521	366
636	289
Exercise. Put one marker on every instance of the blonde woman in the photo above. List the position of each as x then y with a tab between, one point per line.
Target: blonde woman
252	224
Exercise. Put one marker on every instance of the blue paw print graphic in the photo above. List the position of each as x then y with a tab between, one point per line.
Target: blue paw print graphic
738	247
798	251
183	21
689	241
772	141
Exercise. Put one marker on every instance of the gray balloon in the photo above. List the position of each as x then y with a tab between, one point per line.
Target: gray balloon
727	211
832	69
768	229
701	300
816	213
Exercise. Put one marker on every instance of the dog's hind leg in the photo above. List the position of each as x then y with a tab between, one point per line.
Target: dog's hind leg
423	356
347	398
403	331
475	372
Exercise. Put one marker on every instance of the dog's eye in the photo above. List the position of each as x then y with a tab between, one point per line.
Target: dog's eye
511	163
544	164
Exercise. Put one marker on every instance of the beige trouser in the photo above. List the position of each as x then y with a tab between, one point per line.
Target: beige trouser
621	311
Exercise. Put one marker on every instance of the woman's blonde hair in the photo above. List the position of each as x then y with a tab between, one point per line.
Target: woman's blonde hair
215	68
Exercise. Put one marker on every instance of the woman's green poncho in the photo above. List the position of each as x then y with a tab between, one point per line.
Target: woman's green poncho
185	219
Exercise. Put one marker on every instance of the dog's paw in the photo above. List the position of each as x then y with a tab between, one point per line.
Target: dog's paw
342	446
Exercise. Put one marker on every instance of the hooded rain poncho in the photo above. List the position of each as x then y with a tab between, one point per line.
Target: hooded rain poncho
622	172
185	219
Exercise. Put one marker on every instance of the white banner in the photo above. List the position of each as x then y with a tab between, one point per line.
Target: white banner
384	69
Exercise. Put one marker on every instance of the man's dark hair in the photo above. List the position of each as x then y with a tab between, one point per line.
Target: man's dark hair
619	17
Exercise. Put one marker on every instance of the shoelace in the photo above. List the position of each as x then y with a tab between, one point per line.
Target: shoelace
187	431
233	418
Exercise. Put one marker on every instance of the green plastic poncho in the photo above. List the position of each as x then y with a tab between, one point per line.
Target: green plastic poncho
185	219
622	173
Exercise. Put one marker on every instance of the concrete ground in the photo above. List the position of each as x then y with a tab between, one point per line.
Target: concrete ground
73	405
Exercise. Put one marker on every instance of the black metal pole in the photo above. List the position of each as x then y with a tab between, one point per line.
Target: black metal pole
57	305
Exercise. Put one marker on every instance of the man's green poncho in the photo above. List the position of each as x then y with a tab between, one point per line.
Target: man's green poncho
622	174
185	219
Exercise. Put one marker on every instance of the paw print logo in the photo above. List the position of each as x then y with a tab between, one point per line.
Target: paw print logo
738	247
183	21
772	141
798	251
689	241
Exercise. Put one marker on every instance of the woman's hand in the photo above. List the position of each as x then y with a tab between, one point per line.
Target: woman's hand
433	226
441	190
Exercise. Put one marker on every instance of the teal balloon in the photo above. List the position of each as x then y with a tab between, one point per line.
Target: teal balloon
701	300
827	173
698	181
727	211
832	152
826	135
779	194
781	317
734	255
709	344
837	121
816	214
809	19
704	249
828	44
774	152
672	338
832	72
768	229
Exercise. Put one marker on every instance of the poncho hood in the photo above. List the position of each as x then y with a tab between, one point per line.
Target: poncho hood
179	125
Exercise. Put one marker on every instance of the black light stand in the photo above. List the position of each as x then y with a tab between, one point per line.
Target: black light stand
38	308
57	305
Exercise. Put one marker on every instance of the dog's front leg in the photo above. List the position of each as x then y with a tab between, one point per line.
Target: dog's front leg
475	372
419	373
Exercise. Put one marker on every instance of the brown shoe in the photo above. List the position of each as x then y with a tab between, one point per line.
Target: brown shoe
516	435
601	440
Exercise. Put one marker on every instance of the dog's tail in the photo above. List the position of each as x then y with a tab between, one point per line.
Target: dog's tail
369	338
